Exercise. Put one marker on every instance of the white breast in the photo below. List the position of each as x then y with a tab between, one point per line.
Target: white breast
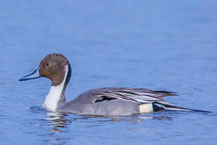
53	98
54	94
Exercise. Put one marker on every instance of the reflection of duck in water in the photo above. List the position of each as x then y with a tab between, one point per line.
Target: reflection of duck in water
57	120
102	101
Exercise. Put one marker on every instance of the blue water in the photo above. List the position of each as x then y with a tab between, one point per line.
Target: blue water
162	45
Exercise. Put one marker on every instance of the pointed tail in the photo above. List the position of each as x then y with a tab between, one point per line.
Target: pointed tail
166	106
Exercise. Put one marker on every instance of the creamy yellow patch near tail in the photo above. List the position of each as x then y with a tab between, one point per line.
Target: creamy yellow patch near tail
145	108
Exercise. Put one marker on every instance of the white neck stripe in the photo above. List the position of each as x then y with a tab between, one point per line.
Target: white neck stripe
54	94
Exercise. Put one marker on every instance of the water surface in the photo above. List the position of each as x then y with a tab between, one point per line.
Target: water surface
162	45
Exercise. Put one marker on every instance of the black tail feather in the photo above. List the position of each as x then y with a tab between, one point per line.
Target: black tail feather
160	106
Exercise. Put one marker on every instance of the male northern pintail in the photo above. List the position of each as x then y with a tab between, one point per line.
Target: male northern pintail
111	101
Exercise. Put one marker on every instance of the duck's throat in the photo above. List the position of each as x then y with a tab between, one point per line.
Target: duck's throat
56	96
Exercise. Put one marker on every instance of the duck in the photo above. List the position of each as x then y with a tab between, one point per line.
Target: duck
107	101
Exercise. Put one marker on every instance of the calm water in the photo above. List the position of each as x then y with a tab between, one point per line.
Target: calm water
162	45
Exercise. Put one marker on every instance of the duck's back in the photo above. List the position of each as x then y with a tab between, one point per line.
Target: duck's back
114	101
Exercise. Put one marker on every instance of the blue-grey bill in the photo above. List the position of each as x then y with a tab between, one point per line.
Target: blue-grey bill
33	75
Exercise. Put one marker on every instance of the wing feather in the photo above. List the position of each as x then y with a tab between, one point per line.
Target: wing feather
139	96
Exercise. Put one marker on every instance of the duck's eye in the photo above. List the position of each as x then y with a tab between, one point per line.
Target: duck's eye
47	63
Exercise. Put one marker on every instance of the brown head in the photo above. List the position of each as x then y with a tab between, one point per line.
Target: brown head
54	67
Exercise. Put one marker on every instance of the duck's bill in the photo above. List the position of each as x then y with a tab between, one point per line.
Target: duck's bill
33	75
